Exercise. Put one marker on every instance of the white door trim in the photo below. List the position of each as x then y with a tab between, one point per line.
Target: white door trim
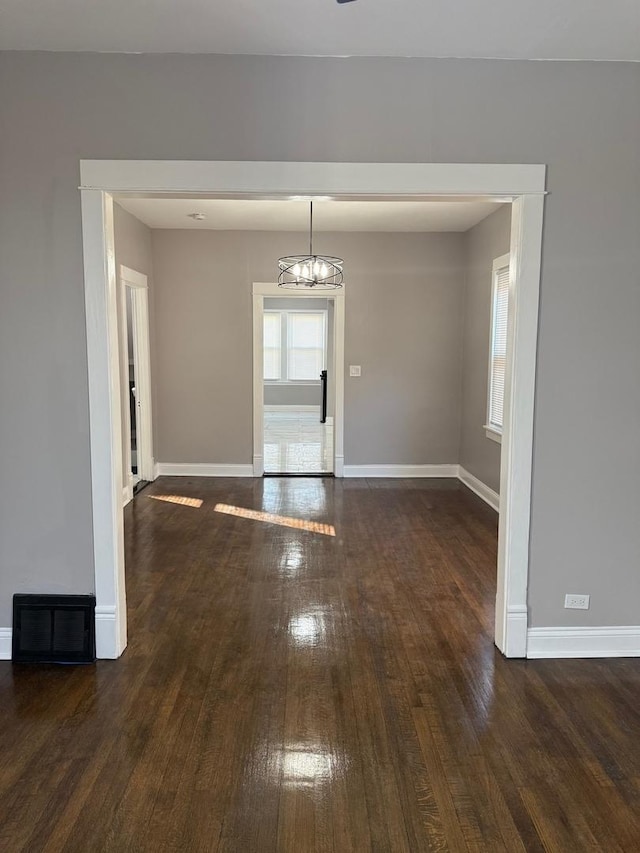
291	178
103	357
138	284
260	290
133	278
517	430
524	185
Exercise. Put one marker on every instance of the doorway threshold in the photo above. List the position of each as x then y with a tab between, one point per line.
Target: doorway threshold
298	474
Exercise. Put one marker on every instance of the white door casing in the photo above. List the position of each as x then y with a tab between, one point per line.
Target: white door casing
523	185
138	285
260	291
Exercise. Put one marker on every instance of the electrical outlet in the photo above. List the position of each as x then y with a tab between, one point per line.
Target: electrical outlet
355	370
576	602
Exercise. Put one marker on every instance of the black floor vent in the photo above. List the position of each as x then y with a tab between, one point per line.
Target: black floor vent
54	628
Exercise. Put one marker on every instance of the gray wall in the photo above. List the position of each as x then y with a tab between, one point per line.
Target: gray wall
403	326
132	249
292	395
486	241
580	118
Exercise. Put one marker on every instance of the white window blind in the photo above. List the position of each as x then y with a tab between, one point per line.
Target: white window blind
498	354
305	345
272	345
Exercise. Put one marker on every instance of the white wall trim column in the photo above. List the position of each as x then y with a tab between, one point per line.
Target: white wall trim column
517	433
105	422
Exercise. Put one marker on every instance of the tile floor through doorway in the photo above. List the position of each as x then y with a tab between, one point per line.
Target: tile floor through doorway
295	442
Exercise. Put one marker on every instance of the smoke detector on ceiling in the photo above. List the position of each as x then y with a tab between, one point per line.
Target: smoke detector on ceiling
197	216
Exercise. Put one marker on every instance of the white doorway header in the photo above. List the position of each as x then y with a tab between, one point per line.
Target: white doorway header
282	179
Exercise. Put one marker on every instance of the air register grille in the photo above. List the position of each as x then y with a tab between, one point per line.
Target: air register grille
54	628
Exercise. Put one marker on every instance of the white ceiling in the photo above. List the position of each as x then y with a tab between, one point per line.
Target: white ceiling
521	29
285	215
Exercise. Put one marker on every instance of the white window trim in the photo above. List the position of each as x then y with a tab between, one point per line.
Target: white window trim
282	359
492	431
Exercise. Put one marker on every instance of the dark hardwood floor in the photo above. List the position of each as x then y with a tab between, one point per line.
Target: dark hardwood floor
288	690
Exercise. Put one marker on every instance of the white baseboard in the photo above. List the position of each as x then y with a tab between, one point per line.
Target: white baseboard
204	469
186	469
5	643
107	643
106	636
616	641
126	496
517	618
479	488
405	471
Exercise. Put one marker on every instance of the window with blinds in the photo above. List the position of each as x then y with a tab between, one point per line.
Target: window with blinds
294	345
272	345
305	345
498	351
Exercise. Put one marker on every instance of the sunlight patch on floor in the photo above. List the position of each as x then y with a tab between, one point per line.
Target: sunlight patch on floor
177	499
282	520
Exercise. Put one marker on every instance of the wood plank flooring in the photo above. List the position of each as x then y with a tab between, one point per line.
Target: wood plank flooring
285	690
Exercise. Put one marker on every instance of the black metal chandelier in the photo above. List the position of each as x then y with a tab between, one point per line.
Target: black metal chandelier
317	272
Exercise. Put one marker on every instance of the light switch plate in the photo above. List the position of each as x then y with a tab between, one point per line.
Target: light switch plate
355	370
